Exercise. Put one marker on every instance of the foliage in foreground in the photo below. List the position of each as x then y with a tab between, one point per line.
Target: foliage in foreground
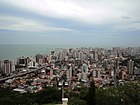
76	101
48	95
129	94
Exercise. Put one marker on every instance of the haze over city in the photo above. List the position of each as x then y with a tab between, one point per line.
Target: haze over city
69	52
70	22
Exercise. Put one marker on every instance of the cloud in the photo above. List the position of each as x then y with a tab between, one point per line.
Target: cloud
126	26
91	11
99	21
126	17
22	24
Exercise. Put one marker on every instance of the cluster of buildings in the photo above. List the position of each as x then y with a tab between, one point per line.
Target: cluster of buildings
73	67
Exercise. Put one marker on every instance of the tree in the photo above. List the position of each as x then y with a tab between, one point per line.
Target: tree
49	95
91	94
76	101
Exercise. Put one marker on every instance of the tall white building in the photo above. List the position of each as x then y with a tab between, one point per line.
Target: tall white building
7	67
96	72
80	55
130	67
79	76
61	56
85	68
84	76
13	65
39	59
69	73
32	62
137	71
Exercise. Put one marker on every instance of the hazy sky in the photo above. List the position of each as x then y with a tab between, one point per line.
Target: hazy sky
70	22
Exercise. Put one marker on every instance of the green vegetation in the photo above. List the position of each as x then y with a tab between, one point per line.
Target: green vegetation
76	101
50	104
48	95
128	94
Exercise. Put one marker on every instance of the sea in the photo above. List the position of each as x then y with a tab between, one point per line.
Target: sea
12	52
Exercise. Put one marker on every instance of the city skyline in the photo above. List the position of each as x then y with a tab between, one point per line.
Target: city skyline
70	22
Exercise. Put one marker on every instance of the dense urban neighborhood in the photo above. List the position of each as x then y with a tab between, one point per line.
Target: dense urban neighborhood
68	73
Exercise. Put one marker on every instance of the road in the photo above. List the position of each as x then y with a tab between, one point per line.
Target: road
18	75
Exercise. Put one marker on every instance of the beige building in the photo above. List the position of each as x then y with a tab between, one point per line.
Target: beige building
130	67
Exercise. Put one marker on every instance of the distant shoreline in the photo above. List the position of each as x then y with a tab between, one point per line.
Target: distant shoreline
13	51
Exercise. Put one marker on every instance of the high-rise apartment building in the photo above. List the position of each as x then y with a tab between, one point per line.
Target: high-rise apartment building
69	73
7	67
1	65
39	58
130	67
23	61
